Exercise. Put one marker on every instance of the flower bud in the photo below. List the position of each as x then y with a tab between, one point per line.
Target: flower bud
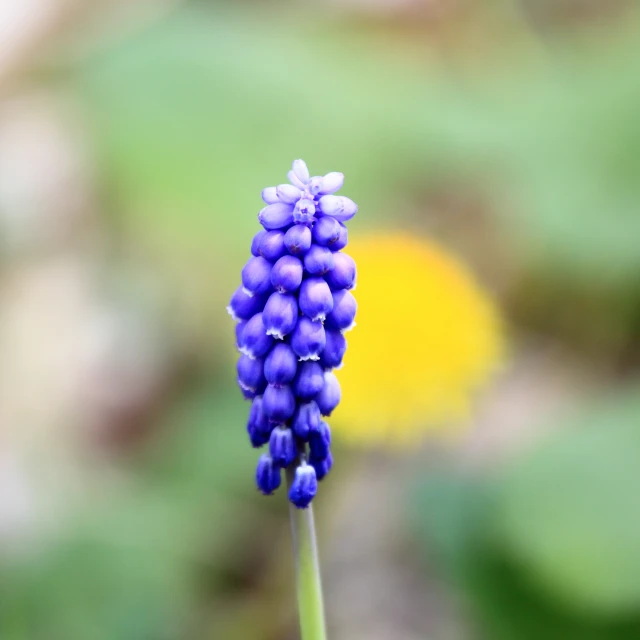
297	240
281	365
278	403
272	245
256	276
339	207
326	232
314	185
331	183
267	475
270	195
315	298
343	274
247	394
257	419
288	193
308	339
243	306
280	315
336	345
322	466
239	330
320	441
255	243
309	380
294	180
318	260
304	211
282	446
276	216
255	341
329	397
344	311
306	419
257	438
250	374
304	486
342	241
299	167
286	274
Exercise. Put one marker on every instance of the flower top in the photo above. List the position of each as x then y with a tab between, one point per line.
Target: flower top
305	200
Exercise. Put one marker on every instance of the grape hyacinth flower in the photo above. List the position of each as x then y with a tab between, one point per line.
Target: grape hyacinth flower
292	308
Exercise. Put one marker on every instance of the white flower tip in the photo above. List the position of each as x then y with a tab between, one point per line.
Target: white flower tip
275	333
232	314
247	292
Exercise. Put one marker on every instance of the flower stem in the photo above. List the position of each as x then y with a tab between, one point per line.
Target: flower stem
308	584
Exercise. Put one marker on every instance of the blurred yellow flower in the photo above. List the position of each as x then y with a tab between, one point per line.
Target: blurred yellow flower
426	338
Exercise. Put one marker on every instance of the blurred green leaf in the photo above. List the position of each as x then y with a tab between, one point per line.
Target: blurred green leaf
569	512
453	516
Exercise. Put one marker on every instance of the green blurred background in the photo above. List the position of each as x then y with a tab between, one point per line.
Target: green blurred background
135	138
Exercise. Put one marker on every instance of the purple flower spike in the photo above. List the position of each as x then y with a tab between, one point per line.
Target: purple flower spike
336	345
267	475
276	216
286	275
331	183
272	245
255	243
298	239
306	419
288	194
343	274
315	299
250	374
309	380
292	311
344	311
281	365
321	465
318	260
244	306
304	486
320	441
278	403
270	195
282	446
329	398
308	339
280	315
326	232
256	276
255	341
304	211
299	167
339	207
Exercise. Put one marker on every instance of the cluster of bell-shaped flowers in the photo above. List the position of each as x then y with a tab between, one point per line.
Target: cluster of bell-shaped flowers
292	310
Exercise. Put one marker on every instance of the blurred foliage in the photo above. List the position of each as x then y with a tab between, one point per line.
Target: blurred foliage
197	111
548	548
140	563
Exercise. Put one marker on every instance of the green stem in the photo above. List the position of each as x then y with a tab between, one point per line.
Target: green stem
308	584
